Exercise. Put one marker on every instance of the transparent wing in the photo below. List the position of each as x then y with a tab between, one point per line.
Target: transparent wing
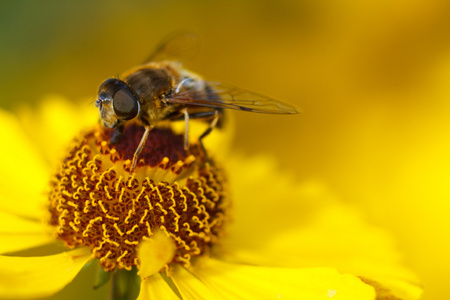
179	46
216	94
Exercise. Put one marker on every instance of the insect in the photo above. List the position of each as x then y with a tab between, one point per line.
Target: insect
161	89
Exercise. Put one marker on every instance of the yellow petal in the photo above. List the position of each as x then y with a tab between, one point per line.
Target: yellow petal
154	287
54	124
33	277
334	236
304	225
395	288
214	279
267	201
23	174
17	233
154	253
338	237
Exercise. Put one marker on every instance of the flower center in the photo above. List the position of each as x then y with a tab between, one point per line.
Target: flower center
95	201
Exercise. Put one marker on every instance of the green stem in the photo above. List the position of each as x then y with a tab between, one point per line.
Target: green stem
124	285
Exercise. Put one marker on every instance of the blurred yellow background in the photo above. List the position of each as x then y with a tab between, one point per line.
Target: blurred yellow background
372	78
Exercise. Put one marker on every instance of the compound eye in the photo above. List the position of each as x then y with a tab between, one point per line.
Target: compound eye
108	87
125	103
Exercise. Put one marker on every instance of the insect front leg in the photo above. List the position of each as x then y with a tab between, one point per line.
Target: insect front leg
117	134
141	146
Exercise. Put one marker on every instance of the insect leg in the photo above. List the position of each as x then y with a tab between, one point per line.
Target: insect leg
117	134
214	114
140	147
186	128
208	131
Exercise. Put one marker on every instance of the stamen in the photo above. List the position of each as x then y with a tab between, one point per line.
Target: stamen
95	201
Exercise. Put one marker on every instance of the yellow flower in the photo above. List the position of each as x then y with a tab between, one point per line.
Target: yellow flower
285	240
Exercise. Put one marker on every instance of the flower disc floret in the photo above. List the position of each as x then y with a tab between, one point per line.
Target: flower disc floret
96	201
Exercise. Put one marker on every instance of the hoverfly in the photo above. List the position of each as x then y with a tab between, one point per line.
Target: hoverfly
160	90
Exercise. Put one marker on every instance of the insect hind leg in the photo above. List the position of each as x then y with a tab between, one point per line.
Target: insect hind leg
211	114
207	132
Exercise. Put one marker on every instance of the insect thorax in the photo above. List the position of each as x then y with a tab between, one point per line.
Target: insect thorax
149	82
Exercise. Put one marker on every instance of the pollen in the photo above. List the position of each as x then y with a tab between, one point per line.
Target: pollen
96	201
